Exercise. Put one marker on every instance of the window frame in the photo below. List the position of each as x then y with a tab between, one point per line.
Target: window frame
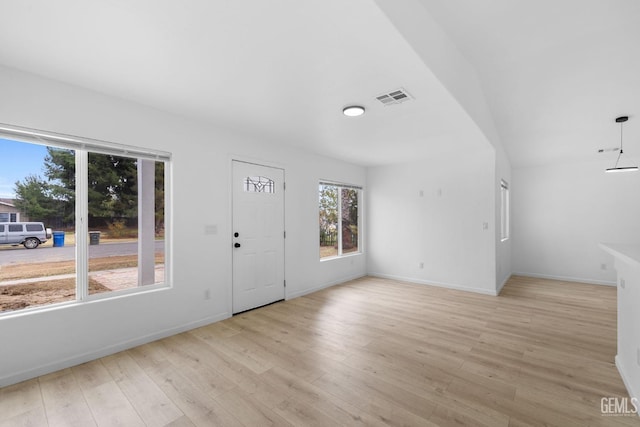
82	146
505	216
360	191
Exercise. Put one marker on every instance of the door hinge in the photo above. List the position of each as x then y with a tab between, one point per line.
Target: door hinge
284	186
285	283
285	234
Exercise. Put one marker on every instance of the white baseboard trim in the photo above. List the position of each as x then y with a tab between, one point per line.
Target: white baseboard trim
297	294
504	282
625	379
57	365
568	279
434	283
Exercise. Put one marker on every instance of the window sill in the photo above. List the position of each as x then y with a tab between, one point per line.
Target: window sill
349	255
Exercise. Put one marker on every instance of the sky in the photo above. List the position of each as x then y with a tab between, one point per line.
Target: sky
18	160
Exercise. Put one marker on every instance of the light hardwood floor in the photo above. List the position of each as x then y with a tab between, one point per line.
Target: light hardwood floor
368	352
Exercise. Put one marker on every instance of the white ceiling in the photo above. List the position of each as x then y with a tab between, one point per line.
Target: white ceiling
555	73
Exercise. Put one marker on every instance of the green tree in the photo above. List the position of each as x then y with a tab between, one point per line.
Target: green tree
159	197
112	184
112	187
328	208
33	197
60	169
349	200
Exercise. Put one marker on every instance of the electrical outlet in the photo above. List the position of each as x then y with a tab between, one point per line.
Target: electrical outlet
603	266
421	193
622	283
421	265
207	294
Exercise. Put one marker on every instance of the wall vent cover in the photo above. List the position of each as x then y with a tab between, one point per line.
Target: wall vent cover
397	96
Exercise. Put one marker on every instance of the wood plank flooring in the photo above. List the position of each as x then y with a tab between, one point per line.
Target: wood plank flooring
369	352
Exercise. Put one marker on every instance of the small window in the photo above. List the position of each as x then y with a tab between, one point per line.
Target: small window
504	210
14	217
1	228
15	228
34	227
259	184
339	219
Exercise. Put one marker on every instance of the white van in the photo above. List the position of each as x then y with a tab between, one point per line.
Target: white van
29	234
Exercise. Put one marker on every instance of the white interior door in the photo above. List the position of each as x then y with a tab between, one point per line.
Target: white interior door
258	235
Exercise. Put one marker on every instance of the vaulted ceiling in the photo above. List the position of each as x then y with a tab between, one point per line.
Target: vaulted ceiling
555	74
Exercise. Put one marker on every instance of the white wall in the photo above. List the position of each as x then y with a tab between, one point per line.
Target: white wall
40	342
443	228
438	52
561	212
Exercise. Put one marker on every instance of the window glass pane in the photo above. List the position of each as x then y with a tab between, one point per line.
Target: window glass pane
504	210
259	184
159	192
126	214
328	220
15	228
113	222
42	190
349	215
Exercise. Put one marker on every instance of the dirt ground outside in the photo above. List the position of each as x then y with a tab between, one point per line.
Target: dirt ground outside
38	293
16	297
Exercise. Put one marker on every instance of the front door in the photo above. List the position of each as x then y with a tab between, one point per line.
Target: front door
258	235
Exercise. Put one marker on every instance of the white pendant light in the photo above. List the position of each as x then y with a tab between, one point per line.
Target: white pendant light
621	120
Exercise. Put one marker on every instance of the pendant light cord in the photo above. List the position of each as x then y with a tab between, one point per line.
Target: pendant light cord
620	153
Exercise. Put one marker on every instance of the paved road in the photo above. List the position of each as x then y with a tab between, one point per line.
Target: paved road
48	254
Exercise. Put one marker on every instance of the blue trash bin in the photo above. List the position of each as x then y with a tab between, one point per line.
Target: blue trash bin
58	239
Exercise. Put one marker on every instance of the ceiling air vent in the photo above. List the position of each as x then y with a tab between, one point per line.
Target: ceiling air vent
397	96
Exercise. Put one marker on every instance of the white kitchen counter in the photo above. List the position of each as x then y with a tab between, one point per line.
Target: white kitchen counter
627	265
627	253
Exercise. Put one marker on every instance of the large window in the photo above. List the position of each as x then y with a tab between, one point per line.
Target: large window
504	210
339	219
104	208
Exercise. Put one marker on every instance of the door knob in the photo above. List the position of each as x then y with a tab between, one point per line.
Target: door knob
236	245
236	234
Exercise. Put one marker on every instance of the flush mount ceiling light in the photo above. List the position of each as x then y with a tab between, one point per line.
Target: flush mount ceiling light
621	120
353	110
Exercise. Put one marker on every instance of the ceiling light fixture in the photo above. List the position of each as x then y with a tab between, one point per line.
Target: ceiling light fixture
353	111
621	120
